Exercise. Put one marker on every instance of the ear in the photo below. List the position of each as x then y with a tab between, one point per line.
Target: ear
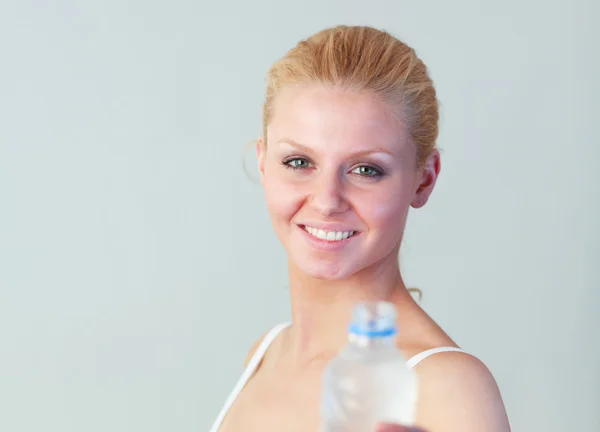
428	175
261	154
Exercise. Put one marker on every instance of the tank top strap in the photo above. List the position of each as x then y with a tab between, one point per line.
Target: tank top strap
248	372
264	346
415	360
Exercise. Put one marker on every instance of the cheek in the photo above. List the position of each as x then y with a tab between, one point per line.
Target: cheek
385	210
283	199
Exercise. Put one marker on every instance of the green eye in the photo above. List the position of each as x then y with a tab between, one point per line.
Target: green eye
298	163
366	171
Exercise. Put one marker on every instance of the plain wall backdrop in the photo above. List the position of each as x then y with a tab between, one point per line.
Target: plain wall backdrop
137	261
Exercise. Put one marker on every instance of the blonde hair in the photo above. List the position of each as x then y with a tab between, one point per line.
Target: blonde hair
363	59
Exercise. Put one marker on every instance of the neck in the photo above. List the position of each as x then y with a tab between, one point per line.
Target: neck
321	309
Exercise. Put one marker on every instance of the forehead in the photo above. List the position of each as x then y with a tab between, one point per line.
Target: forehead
328	118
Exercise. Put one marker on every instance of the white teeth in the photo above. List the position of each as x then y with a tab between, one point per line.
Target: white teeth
328	235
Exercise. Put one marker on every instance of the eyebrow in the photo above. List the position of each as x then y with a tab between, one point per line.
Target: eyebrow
308	150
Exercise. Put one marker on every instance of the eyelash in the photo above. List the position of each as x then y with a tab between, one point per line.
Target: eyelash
378	171
286	163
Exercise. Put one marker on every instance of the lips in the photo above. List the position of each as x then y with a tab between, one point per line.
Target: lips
331	236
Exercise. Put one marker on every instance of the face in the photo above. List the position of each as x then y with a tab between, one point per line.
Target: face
339	175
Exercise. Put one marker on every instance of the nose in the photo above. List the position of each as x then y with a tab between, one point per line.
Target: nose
328	196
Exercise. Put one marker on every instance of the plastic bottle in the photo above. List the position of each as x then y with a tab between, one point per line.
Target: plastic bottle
368	382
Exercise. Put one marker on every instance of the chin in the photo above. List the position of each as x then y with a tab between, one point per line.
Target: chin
326	270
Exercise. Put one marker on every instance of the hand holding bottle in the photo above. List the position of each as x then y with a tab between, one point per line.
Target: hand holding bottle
368	382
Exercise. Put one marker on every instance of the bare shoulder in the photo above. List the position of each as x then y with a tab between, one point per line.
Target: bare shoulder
273	341
459	393
253	348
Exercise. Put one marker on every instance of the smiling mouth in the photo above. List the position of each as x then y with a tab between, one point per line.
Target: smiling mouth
328	235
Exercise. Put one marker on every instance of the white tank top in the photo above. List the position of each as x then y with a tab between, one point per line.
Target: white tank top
262	349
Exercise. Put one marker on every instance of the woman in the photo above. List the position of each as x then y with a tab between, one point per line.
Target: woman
350	122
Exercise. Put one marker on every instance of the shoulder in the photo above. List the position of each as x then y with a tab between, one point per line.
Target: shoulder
267	338
459	393
253	349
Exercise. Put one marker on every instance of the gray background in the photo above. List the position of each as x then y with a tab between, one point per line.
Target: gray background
137	262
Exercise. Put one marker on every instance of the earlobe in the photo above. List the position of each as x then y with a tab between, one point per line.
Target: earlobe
427	178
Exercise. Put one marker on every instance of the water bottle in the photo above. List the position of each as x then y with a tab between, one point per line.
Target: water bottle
368	382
